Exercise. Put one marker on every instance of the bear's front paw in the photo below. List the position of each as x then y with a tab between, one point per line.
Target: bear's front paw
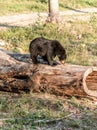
55	63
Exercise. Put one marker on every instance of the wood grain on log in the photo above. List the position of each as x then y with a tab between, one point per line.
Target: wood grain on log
66	80
18	74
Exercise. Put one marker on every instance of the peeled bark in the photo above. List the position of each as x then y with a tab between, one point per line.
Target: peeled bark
17	74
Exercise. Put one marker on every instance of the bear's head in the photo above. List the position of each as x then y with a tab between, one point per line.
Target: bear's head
62	57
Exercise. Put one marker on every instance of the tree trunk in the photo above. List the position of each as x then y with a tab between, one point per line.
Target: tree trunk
17	73
54	11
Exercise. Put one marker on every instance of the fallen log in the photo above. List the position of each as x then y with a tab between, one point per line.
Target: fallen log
17	74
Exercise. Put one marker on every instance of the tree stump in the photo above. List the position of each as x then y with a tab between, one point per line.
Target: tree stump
17	74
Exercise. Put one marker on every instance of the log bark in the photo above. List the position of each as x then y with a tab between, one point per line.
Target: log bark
18	74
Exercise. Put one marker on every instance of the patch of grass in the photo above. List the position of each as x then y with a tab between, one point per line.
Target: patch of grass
78	37
3	104
26	111
76	4
33	112
20	6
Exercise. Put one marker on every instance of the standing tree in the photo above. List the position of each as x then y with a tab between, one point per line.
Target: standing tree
54	10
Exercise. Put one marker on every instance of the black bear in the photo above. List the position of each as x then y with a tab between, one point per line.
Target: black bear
47	50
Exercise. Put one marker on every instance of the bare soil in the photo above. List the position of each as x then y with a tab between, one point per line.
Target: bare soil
30	19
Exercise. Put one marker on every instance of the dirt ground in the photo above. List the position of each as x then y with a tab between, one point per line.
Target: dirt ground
29	19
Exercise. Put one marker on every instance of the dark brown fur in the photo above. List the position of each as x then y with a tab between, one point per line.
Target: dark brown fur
47	49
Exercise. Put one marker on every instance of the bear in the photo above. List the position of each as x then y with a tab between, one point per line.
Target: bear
47	49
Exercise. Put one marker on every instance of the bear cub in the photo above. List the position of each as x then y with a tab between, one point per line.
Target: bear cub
47	50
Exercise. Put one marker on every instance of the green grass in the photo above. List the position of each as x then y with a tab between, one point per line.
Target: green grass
17	6
77	4
78	37
20	6
42	110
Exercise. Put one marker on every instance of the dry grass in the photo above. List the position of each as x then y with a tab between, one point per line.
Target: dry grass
21	6
44	111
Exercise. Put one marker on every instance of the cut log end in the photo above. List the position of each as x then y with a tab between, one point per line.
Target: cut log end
90	81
